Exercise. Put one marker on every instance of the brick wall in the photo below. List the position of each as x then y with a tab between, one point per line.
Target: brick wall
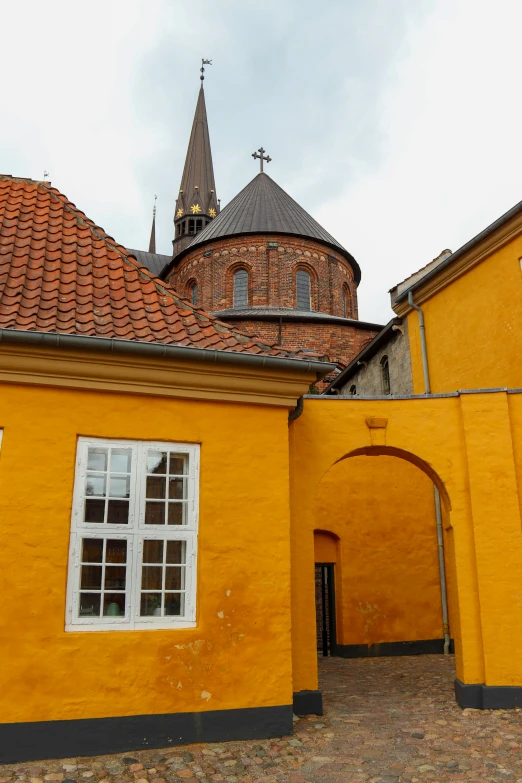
271	271
341	343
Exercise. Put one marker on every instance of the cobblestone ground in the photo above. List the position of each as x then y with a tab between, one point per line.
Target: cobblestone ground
387	720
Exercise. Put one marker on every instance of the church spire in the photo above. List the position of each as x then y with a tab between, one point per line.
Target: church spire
152	243
196	204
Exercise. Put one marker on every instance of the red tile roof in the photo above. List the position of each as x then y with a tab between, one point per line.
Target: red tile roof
61	273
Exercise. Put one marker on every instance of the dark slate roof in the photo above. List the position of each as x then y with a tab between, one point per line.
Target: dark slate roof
154	262
262	207
198	187
291	314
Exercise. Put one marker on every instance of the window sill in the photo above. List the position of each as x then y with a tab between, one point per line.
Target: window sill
164	626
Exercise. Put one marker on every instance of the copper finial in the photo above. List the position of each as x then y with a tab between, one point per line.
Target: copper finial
202	69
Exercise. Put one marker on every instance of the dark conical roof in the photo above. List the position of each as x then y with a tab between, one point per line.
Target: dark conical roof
262	207
198	188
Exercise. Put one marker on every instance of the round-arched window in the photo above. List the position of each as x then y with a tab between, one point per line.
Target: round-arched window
193	292
302	290
347	302
385	375
241	288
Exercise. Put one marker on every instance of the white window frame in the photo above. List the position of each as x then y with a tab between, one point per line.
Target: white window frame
135	533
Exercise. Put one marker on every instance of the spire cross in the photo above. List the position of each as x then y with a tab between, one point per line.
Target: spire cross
261	157
202	69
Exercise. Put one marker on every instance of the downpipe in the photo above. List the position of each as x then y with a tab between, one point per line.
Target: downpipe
442	572
438	513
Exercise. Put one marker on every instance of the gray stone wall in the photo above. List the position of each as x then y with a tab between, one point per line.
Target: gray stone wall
368	380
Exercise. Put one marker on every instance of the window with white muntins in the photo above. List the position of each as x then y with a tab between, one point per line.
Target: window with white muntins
132	561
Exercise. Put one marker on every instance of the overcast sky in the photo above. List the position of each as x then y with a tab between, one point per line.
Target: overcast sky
395	123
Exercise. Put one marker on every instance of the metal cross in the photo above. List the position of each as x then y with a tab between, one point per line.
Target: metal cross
261	157
202	69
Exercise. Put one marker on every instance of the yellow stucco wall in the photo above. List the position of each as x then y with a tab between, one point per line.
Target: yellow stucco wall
471	446
238	655
382	509
473	327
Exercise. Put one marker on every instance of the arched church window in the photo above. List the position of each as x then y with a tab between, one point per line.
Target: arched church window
347	302
302	290
241	288
353	390
193	292
385	375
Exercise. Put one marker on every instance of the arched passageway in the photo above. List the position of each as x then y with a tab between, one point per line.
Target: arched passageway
379	508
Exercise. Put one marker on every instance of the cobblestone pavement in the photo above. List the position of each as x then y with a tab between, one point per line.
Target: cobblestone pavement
387	720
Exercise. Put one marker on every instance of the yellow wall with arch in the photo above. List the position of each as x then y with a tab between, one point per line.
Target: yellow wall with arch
470	445
239	655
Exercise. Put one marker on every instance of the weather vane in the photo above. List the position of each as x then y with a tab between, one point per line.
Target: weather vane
202	69
154	210
261	157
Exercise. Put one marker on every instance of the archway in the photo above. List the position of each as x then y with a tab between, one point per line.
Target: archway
380	505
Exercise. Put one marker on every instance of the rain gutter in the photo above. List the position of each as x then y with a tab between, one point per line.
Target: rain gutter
159	350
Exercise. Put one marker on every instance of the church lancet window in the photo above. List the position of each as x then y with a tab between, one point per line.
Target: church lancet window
193	292
385	375
303	290
347	302
241	288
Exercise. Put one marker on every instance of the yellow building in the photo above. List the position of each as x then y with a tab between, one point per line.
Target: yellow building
161	519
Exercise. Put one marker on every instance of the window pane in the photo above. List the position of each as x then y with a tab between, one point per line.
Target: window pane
178	465
175	578
92	550
94	510
302	284
151	577
116	551
156	487
150	604
118	512
177	513
154	513
177	488
174	604
153	551
113	604
95	484
176	551
90	604
120	460
91	577
97	459
119	486
157	462
241	288
115	577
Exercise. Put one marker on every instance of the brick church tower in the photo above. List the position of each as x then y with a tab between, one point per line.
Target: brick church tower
262	263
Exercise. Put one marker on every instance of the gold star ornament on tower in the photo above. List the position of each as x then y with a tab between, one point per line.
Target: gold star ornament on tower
212	212
195	209
179	213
